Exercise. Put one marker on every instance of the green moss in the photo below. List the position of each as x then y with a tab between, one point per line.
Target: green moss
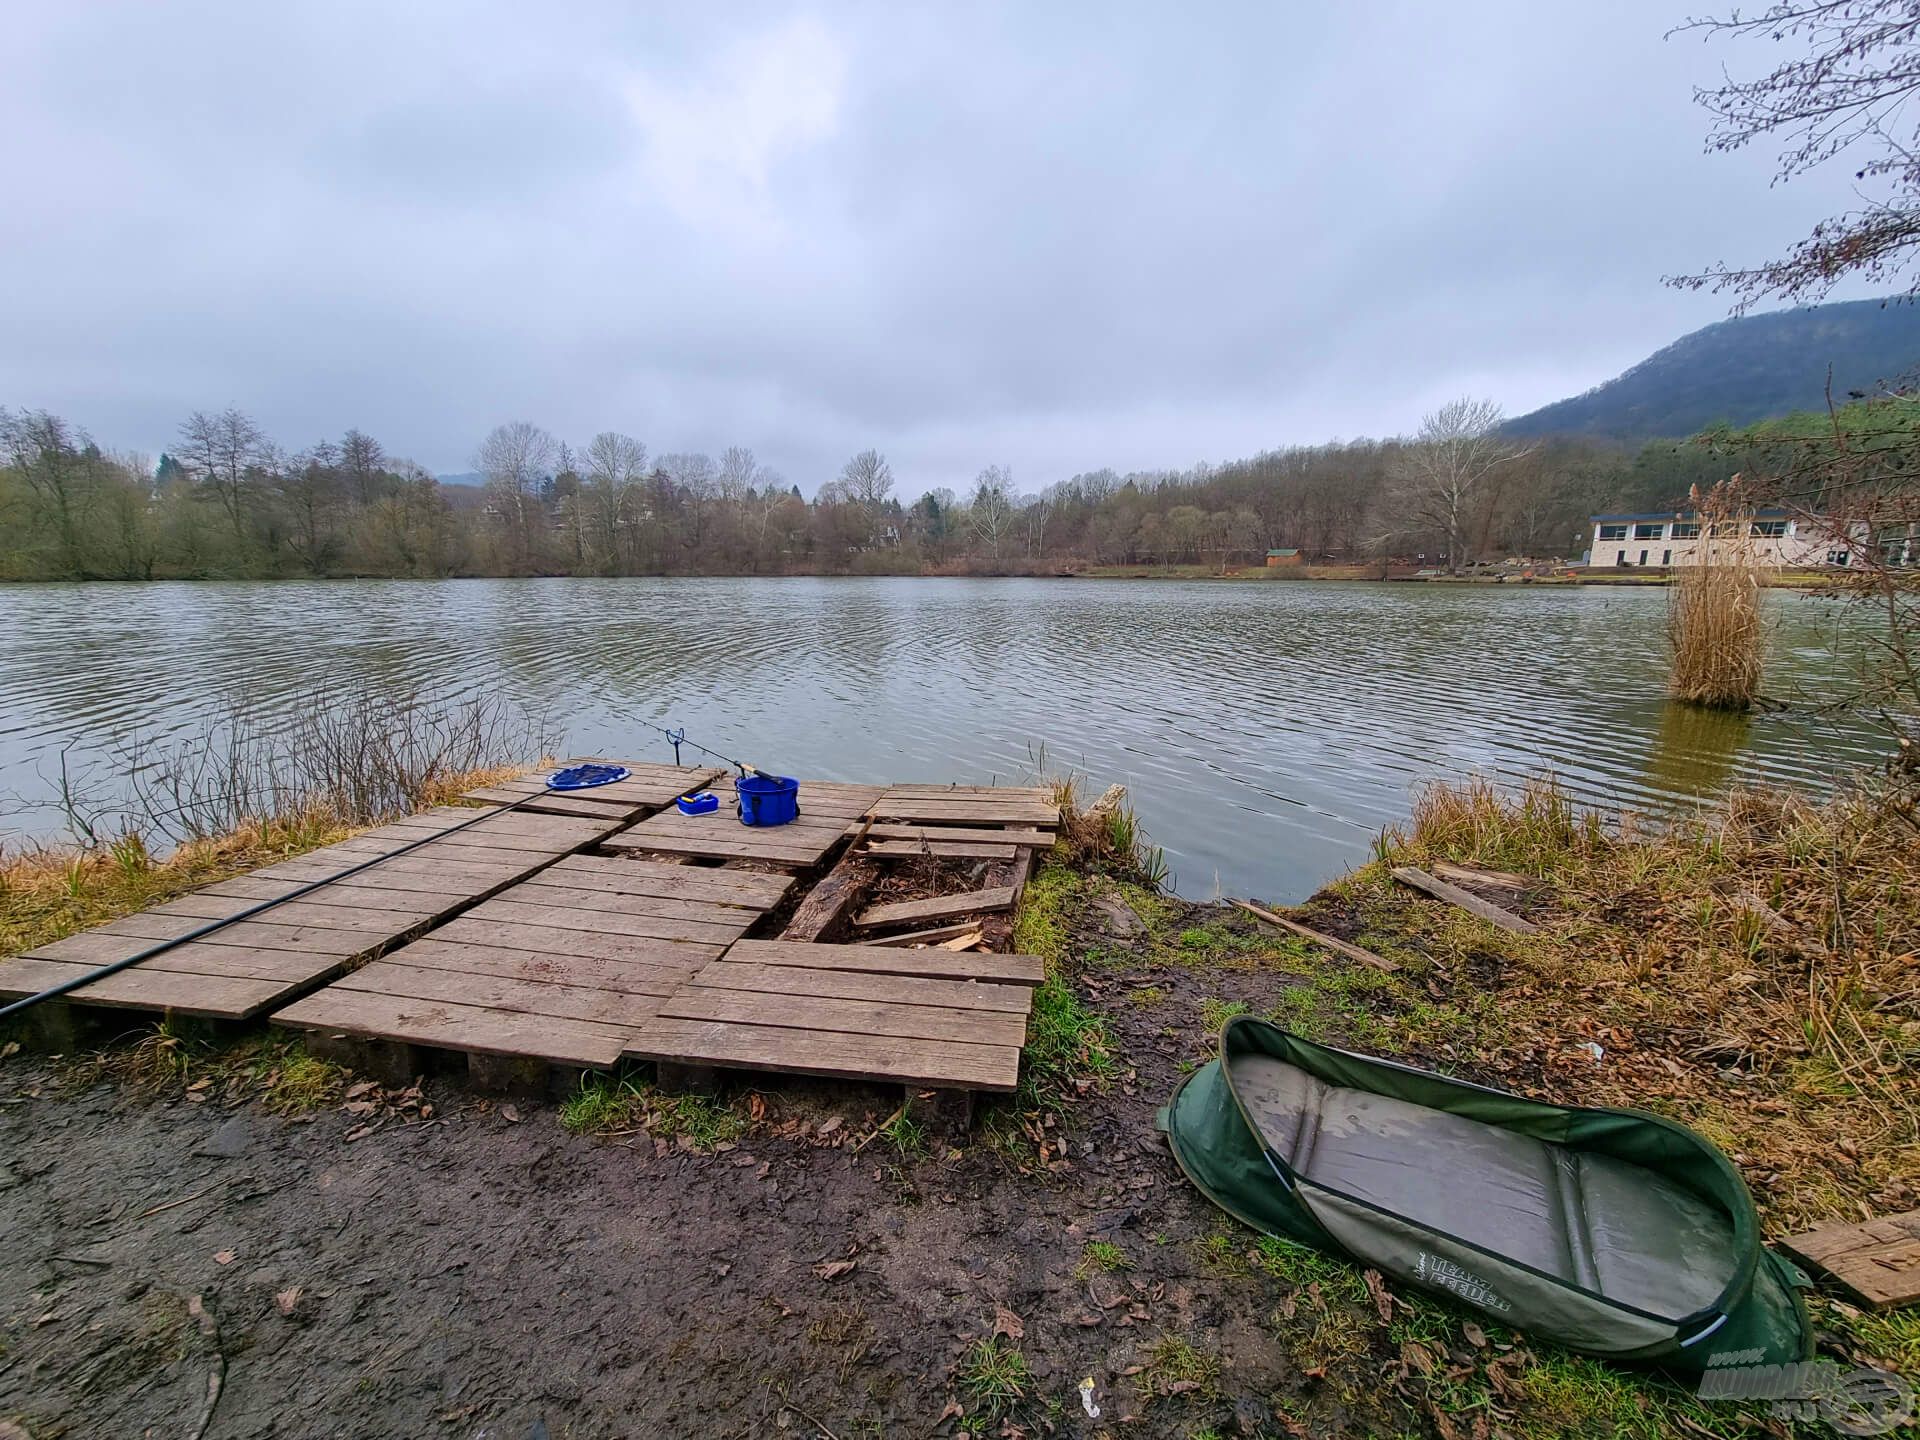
1053	895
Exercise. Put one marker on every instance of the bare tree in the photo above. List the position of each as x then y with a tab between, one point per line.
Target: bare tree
363	464
739	474
615	465
991	513
516	460
221	452
1844	93
62	470
867	481
1439	478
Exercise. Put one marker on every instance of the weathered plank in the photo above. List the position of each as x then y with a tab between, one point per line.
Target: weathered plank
629	976
1475	875
1418	879
720	847
830	899
628	876
184	993
550	940
729	974
940	907
1342	947
554	803
506	910
936	849
887	960
812	1052
495	992
1876	1262
845	1016
457	1027
968	811
924	937
961	835
535	892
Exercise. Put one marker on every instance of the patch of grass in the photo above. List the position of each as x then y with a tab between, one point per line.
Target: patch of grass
1222	1251
168	1059
607	1104
1302	1266
1066	1043
906	1134
1146	996
1214	1013
300	1082
1101	1256
994	1376
1053	895
1174	1365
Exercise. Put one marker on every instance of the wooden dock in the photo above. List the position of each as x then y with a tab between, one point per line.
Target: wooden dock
587	929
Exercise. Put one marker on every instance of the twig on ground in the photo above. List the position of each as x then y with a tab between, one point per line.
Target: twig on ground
217	1377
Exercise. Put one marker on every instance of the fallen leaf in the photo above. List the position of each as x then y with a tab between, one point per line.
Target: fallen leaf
358	1132
1475	1335
1382	1299
829	1127
510	1114
834	1269
9	1050
199	1085
287	1299
365	1087
223	1257
953	1409
1006	1323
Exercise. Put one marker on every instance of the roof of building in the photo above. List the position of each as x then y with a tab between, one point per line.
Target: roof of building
1770	511
1282	554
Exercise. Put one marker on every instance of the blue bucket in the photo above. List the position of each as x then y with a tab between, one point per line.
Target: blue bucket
767	799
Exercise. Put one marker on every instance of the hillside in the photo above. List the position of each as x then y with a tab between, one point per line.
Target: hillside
1744	370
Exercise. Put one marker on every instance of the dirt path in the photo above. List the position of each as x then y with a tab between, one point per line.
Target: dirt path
474	1275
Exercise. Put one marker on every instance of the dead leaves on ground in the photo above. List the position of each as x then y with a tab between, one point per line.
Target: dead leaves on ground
376	1107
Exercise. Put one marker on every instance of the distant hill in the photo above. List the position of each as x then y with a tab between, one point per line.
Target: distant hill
1744	370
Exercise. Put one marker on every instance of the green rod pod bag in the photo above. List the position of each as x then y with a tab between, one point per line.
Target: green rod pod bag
1612	1232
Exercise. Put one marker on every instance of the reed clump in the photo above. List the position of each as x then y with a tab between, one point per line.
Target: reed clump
1713	619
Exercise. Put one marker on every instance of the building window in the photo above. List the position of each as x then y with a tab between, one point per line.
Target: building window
1726	529
1769	529
1643	557
1612	532
1666	557
1649	532
1621	560
1686	529
1838	557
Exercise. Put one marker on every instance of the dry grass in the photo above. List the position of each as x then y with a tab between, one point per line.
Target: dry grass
1713	619
1750	970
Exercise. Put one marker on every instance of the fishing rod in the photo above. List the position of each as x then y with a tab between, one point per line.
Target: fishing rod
678	736
574	777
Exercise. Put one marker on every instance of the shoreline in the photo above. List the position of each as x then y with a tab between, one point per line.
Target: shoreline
646	1216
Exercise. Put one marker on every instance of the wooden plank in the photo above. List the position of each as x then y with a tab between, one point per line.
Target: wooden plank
631	977
1418	879
308	911
962	835
763	849
970	812
407	872
548	940
495	992
107	945
830	899
850	1017
940	907
1876	1262
729	974
183	993
887	960
811	1052
457	1027
215	961
924	937
344	894
628	876
936	849
601	923
583	804
1341	947
1474	875
935	791
607	902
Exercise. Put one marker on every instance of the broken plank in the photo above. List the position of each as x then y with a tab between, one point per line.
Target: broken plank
810	1052
924	937
1475	875
890	960
940	907
961	834
830	899
1418	879
1876	1262
1340	947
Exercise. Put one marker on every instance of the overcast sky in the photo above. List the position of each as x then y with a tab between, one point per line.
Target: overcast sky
1054	237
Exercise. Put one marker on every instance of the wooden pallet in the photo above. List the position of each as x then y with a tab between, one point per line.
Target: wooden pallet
561	969
826	811
919	1017
247	967
649	787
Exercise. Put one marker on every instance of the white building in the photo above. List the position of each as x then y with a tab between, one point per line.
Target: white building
1779	540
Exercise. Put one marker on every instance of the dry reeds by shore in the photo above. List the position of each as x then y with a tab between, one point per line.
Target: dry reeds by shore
1713	620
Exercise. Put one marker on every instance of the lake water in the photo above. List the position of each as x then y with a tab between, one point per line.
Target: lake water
1265	730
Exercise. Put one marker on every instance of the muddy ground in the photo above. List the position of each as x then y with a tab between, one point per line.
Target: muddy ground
481	1272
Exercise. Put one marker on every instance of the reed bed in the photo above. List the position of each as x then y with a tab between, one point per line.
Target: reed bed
1713	619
